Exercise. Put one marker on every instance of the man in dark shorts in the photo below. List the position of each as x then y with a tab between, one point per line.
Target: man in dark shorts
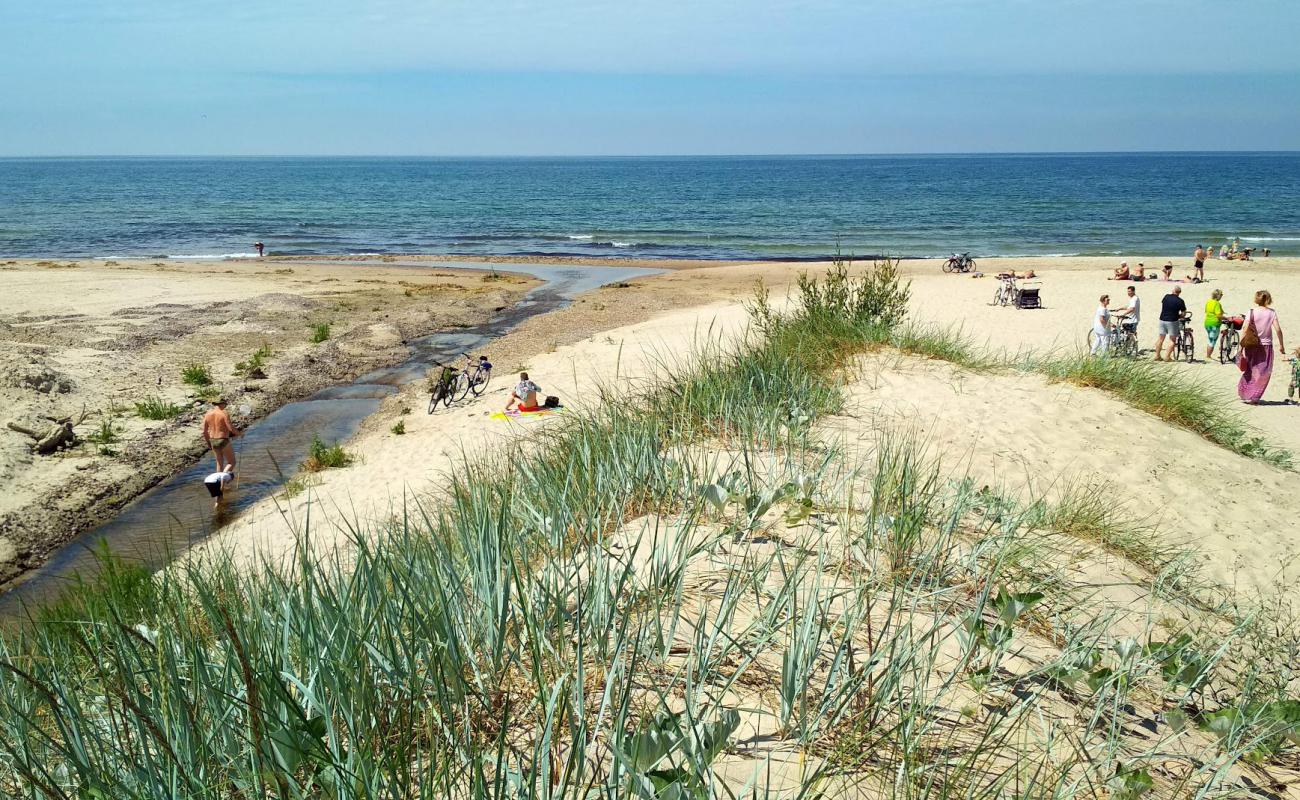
1198	272
1172	309
218	432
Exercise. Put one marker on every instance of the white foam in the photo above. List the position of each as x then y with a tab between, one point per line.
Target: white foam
212	256
1270	238
623	244
580	236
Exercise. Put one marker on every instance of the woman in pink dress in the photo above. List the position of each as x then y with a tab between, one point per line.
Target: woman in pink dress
1257	362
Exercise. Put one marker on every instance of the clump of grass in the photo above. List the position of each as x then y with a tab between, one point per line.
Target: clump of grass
156	408
320	332
106	433
1087	511
322	456
1171	396
255	362
400	428
197	375
944	344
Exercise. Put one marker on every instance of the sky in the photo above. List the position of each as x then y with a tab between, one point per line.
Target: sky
575	77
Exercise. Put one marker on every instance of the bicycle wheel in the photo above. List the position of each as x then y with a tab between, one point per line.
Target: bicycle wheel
1228	341
434	397
1091	339
1128	346
948	265
461	387
1185	348
970	265
480	382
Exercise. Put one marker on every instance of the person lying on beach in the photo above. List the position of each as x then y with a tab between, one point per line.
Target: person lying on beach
1029	273
216	484
524	396
218	433
1122	273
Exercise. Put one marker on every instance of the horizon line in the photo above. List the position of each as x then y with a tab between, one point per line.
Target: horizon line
896	154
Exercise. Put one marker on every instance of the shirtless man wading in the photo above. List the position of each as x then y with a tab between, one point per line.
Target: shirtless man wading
218	433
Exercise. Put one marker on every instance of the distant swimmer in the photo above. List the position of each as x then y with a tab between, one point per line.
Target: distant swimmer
216	484
260	247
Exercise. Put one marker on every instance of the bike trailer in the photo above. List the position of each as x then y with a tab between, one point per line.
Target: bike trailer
1027	296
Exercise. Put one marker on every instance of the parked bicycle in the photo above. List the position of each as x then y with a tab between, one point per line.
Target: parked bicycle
474	377
1293	388
1007	289
959	262
442	389
1229	339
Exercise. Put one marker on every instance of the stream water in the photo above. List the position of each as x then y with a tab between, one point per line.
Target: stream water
170	518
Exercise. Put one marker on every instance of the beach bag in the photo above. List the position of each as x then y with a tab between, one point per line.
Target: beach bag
1250	337
551	401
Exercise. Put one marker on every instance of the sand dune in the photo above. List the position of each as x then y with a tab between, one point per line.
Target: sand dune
1008	430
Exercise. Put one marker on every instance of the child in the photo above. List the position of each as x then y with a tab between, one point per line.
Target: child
216	484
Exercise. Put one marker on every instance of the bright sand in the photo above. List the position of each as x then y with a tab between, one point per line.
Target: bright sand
1004	429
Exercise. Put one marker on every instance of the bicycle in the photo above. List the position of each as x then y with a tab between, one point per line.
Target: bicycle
1185	342
442	389
1229	339
474	377
959	262
1121	342
1006	293
1293	388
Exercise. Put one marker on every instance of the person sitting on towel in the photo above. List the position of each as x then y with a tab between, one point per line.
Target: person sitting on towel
525	395
216	484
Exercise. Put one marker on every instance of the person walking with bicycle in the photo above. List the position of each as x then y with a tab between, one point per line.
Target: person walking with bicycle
1131	315
1172	312
1101	326
1213	321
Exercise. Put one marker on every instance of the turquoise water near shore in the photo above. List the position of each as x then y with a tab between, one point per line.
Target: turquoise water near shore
706	207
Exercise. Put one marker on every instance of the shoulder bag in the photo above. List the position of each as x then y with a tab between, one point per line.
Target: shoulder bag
1250	337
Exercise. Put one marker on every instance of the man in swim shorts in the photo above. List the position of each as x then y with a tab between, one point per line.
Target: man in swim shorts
1198	271
218	433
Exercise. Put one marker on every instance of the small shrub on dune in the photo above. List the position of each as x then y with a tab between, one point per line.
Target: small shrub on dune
322	456
197	375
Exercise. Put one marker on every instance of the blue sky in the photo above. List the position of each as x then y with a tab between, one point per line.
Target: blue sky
483	77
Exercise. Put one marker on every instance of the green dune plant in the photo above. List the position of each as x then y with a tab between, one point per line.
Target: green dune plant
156	408
197	375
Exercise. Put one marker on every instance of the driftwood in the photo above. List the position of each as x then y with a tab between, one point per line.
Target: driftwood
57	434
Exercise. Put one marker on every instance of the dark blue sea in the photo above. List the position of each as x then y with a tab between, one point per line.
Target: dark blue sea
706	207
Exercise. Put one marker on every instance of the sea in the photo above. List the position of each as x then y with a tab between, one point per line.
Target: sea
790	207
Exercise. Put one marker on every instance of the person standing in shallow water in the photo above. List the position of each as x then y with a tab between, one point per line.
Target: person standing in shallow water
219	433
1257	362
260	247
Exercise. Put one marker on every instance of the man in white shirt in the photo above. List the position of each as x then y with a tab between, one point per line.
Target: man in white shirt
1132	314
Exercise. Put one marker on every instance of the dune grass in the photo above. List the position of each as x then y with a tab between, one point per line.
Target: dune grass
1169	395
606	622
322	456
156	408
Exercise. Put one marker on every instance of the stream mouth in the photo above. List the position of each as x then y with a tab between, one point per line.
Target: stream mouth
170	518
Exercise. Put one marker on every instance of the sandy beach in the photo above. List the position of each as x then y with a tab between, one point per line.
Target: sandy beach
1010	430
86	341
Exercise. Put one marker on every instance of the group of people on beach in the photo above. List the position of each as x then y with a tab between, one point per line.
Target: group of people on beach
1261	331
